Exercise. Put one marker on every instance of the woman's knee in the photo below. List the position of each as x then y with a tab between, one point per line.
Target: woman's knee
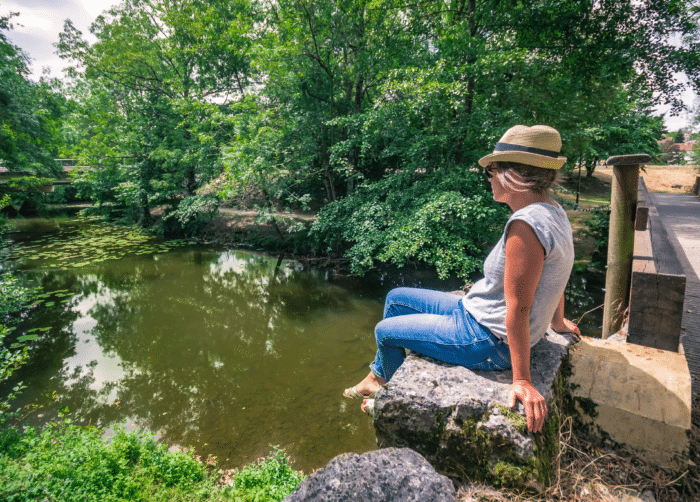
384	332
396	293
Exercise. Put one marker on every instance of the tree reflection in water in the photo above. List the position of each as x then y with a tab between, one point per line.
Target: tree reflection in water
227	352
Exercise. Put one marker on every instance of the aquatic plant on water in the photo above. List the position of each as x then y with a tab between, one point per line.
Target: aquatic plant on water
87	245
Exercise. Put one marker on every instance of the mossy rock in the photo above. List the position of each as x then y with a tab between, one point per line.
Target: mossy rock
457	419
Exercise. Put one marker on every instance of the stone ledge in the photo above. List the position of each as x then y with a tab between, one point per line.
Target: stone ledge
459	421
634	397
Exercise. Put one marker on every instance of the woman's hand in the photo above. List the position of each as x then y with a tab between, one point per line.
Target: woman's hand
566	326
534	403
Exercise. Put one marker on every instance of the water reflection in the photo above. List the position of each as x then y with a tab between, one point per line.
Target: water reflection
227	352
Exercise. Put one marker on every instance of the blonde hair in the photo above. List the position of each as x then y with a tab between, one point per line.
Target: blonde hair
518	178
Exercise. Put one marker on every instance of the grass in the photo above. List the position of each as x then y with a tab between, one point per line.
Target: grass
71	463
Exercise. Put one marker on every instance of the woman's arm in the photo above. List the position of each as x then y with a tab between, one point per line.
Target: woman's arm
523	268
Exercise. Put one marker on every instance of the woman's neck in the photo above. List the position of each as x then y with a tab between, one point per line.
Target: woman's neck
518	201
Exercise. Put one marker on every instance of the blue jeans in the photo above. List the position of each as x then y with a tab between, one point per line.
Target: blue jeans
434	324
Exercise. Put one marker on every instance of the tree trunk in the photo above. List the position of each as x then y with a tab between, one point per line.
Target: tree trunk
590	167
273	220
471	81
190	173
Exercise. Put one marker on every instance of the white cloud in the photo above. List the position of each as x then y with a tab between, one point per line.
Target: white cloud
95	7
46	16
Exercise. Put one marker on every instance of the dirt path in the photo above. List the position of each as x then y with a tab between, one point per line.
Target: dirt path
662	179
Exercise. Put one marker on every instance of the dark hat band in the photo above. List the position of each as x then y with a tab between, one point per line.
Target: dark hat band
507	147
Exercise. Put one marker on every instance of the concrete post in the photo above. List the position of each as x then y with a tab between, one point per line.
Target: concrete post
623	207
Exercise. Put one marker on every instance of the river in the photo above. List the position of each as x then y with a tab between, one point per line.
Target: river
227	352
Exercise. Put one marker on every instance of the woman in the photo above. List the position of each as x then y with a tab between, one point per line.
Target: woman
494	326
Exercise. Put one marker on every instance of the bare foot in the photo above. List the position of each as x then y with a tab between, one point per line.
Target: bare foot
370	384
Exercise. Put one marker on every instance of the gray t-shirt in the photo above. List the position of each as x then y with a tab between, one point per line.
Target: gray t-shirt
486	299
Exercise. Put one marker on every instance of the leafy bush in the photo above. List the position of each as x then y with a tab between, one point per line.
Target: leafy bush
447	220
191	216
72	463
27	192
4	224
269	480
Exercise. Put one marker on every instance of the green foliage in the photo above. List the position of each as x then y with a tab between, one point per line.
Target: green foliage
448	224
72	463
13	298
191	216
4	224
269	480
308	103
146	123
26	191
28	183
11	358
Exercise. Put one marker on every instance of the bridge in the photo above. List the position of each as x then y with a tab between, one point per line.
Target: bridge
67	166
680	215
664	297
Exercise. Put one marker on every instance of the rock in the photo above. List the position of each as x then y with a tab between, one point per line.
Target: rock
391	474
458	419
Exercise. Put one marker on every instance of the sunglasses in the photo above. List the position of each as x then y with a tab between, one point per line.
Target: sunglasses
489	172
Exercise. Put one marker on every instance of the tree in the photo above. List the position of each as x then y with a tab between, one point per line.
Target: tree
158	70
30	112
679	137
440	82
330	97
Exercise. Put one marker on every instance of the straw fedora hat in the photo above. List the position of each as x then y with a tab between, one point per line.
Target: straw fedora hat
535	146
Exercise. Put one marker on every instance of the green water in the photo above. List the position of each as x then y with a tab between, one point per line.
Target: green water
227	352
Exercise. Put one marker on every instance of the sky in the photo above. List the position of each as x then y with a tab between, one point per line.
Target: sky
37	27
40	22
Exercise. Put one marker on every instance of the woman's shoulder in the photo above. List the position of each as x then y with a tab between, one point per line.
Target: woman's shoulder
548	221
539	210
